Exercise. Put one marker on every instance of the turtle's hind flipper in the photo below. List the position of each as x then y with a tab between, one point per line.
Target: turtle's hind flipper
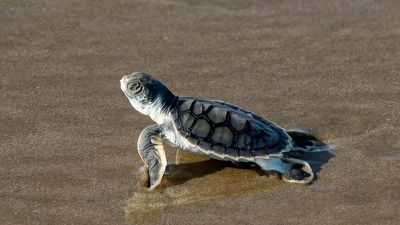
306	142
309	148
300	171
292	170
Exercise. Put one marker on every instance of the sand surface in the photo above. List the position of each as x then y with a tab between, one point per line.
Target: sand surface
68	134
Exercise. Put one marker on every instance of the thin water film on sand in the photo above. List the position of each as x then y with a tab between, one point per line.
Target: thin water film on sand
196	179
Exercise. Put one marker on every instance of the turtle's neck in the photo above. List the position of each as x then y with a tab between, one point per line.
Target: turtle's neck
160	109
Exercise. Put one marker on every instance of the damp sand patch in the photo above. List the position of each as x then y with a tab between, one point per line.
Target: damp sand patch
196	179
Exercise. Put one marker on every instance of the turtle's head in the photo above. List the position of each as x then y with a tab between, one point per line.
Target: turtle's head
146	94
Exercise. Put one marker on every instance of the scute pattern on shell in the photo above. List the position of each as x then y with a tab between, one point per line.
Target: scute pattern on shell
226	129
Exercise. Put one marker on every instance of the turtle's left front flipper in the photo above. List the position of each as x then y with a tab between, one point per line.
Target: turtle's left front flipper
151	151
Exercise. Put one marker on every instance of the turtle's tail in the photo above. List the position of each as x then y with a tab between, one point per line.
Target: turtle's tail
310	149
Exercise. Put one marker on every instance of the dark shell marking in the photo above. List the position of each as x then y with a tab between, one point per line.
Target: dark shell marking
228	130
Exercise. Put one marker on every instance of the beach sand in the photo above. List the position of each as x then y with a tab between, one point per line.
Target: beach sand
68	134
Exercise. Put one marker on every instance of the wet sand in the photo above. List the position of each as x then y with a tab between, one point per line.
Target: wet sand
196	179
68	134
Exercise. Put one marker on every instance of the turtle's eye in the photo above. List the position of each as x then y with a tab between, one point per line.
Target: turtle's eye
135	87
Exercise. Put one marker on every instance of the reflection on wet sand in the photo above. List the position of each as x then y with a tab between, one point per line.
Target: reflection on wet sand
196	179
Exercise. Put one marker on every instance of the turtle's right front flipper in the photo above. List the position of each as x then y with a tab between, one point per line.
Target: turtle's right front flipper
151	151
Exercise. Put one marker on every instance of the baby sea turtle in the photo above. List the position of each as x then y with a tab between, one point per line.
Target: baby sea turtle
211	128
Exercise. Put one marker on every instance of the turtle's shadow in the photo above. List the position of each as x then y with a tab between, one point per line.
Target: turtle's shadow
181	173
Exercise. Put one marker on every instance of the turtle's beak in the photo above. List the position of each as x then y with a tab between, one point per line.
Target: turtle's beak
123	83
